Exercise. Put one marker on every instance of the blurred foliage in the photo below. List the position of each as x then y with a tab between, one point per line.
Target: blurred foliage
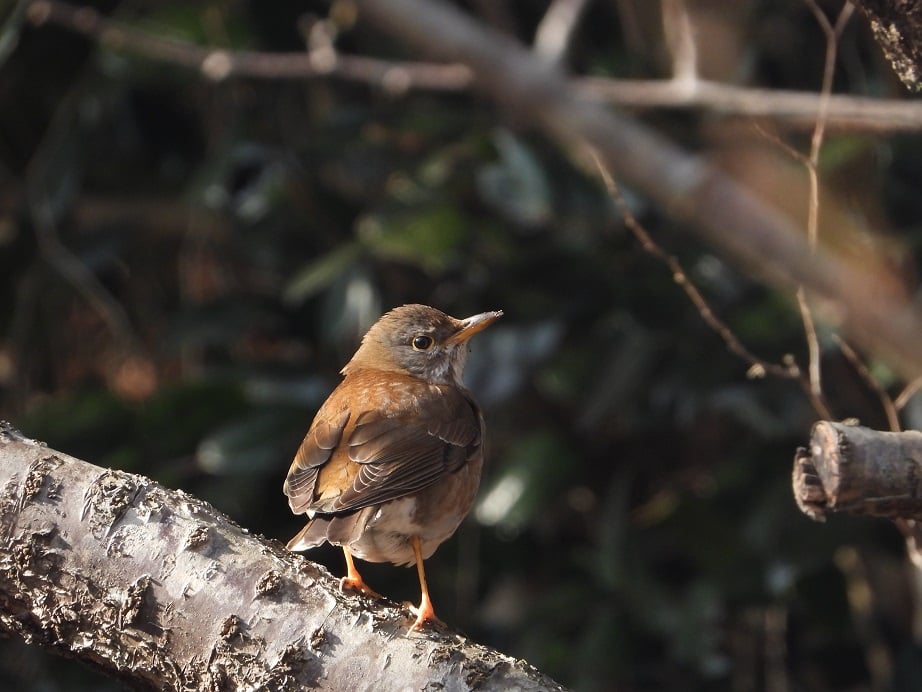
185	265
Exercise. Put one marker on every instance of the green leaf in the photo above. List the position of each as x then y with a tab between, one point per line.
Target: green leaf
430	238
319	274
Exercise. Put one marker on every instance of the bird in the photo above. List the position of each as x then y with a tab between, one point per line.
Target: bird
391	463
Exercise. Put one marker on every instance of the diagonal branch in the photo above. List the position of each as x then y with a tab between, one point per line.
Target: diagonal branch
556	29
719	209
159	589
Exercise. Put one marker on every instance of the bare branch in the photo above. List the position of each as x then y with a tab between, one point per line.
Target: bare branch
832	34
793	108
555	32
909	391
813	208
218	64
158	588
814	375
757	366
723	212
890	409
680	38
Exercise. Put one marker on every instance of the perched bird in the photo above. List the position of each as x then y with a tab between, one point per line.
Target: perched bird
391	463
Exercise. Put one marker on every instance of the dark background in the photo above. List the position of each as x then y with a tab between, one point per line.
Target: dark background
185	265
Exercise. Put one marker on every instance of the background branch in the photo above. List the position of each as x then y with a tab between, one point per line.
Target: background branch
218	64
723	212
794	108
556	29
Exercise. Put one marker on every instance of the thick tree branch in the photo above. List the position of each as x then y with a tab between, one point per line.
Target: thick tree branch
854	470
160	589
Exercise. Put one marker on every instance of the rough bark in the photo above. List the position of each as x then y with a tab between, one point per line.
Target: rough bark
897	28
854	470
159	589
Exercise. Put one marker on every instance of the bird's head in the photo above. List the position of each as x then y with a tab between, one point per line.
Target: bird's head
420	341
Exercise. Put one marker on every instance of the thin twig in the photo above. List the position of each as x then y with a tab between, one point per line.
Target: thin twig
795	154
555	31
909	391
757	366
814	383
43	217
833	34
680	39
794	108
218	64
814	374
890	409
813	209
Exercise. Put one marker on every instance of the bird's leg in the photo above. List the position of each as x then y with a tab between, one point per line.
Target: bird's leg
425	612
353	580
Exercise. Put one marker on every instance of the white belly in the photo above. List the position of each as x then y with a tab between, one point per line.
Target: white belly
388	532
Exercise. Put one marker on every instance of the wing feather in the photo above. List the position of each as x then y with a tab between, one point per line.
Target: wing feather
396	447
315	451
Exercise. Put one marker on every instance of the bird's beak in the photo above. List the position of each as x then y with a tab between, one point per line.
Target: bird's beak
472	325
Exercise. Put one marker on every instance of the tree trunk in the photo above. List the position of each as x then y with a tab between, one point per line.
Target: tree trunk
159	589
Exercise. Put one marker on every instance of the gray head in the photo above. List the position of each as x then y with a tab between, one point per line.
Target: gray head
420	341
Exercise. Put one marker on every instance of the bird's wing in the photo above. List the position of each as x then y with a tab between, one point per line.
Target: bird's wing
400	455
316	450
385	452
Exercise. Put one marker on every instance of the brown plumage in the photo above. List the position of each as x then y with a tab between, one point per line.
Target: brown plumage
391	464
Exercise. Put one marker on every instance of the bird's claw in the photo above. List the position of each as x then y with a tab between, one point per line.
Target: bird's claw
424	614
358	584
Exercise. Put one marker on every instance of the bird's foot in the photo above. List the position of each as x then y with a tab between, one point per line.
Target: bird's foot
356	583
353	580
424	614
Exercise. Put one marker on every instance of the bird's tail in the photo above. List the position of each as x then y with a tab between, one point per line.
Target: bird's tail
335	529
313	534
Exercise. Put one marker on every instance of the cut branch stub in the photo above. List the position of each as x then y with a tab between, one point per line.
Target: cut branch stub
854	470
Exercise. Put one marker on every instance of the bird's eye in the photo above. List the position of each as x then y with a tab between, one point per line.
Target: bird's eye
422	343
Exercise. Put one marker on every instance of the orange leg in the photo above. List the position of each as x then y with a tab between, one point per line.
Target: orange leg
353	580
425	612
